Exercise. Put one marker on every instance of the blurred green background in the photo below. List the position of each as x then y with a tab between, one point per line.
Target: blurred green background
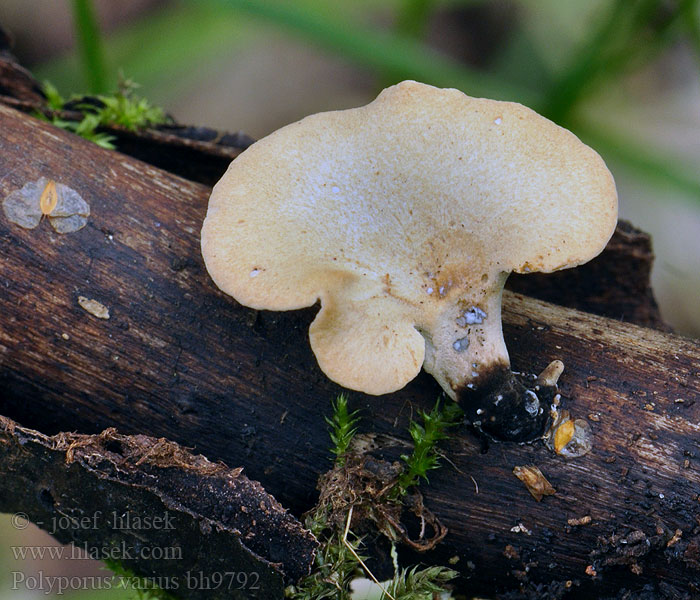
621	74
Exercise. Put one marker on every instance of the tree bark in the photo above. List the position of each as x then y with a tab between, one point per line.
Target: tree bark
191	527
178	359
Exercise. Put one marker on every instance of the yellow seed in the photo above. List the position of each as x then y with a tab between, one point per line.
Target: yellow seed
563	435
49	198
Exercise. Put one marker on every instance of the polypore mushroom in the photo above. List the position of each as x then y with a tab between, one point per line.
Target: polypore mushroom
404	218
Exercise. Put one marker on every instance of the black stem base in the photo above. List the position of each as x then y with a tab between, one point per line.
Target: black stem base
509	407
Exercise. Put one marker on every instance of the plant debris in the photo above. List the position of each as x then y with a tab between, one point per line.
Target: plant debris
63	206
95	308
534	481
366	484
364	493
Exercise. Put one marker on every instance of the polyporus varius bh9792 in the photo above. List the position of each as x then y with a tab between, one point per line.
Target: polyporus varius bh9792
405	217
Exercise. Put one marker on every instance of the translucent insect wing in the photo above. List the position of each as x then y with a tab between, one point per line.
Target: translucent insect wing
23	206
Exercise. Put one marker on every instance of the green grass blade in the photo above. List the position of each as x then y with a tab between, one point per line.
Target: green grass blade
566	92
692	23
90	46
162	49
413	18
392	56
651	32
634	32
650	165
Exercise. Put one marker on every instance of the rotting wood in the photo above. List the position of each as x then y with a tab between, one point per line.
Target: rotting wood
197	153
155	508
15	80
179	359
614	284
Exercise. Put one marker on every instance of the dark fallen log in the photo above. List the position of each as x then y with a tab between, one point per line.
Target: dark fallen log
616	284
196	153
177	359
15	80
150	505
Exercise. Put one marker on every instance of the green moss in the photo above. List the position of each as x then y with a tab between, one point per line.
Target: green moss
425	436
343	426
339	560
121	109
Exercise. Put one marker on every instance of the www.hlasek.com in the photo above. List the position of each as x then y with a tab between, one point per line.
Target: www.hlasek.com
118	552
59	584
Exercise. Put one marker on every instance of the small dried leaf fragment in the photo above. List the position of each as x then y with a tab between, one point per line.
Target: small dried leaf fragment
563	435
95	308
534	481
62	205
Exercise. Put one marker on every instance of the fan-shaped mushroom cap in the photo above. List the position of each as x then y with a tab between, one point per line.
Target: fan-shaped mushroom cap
404	217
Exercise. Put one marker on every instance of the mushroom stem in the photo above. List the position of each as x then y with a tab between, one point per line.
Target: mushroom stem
464	346
466	353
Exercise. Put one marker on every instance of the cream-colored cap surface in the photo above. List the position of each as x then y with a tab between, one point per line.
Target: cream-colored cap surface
396	212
